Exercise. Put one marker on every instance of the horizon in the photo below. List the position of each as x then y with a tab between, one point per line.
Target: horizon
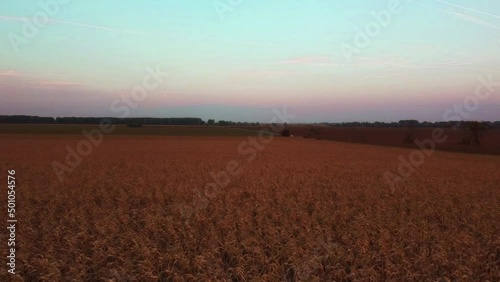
239	62
252	121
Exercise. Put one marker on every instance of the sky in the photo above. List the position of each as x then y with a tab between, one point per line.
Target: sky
325	61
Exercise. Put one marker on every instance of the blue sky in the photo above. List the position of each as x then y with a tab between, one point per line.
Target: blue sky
237	60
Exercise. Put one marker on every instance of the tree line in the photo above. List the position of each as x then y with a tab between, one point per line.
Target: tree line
413	124
24	119
96	120
198	121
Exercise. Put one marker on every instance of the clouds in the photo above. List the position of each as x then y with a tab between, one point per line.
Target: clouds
9	73
79	24
58	84
273	53
4	18
309	60
177	30
472	19
18	19
467	17
468	9
267	74
18	79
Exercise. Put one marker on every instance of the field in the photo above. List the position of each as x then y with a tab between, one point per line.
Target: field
171	130
138	208
393	137
490	141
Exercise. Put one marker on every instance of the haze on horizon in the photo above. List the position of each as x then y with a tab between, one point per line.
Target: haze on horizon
239	61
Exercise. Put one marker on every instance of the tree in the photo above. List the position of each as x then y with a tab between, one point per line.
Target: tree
409	137
285	132
409	123
474	130
211	122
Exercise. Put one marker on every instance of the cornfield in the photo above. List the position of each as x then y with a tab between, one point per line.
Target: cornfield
136	209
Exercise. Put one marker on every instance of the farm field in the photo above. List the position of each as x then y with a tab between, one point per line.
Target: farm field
295	209
490	141
393	137
167	130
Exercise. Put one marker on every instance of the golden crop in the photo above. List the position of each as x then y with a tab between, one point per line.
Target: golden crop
302	210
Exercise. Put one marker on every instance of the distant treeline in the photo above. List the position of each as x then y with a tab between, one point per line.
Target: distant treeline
97	120
26	119
410	123
199	121
231	123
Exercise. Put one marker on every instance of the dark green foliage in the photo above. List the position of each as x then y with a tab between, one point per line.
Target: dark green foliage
473	131
285	132
26	119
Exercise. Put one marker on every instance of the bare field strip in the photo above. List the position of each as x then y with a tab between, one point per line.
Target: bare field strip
154	130
310	209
